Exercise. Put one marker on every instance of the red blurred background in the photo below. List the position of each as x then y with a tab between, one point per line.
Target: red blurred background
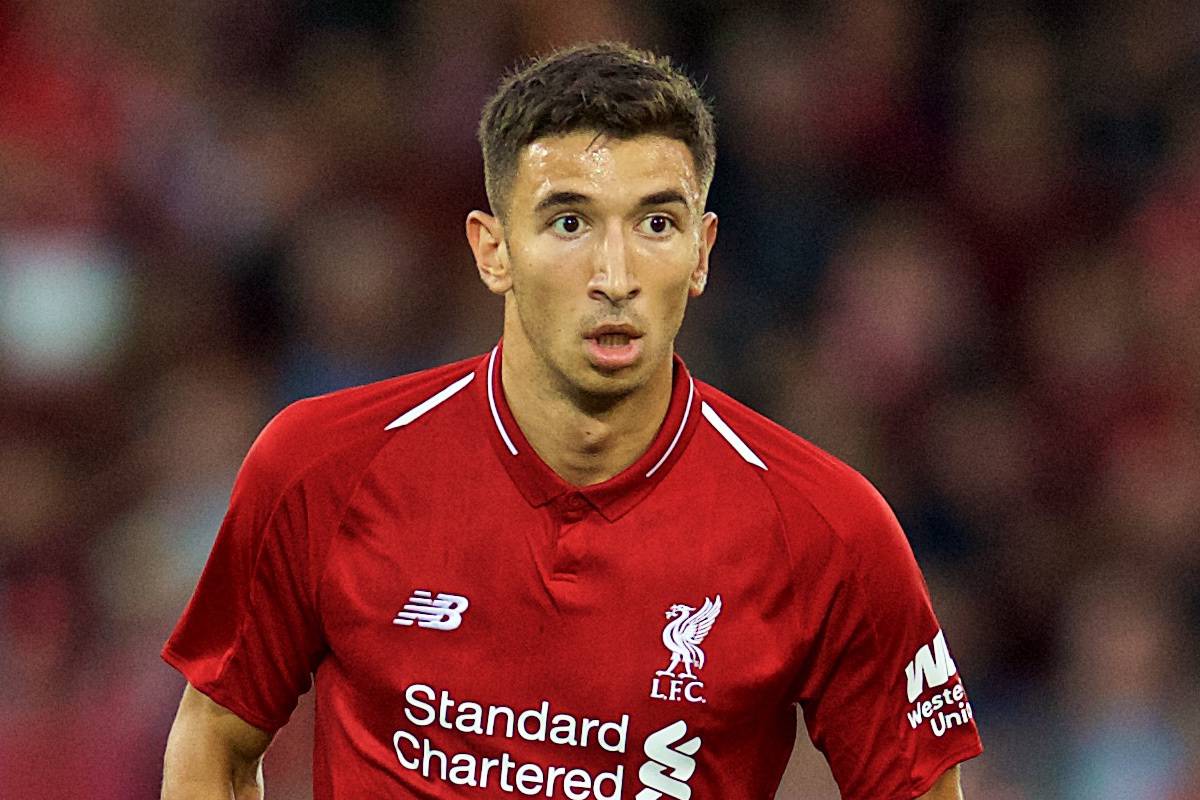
960	248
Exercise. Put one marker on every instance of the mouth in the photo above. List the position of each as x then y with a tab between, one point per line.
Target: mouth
613	335
613	346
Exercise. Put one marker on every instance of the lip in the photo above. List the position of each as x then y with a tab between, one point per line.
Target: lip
602	330
609	357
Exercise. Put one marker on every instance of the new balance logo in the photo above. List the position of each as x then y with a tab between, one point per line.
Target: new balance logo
670	765
930	668
443	613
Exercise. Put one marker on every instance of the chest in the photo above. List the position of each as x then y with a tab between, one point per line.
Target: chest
683	603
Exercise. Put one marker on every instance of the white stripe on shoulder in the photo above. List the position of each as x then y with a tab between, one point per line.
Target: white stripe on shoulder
432	403
687	410
734	440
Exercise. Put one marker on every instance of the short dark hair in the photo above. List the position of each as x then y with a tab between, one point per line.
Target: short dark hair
609	87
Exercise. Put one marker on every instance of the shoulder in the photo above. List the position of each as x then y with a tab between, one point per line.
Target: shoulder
810	486
342	428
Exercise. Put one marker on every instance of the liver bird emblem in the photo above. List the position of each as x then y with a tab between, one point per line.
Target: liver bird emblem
684	633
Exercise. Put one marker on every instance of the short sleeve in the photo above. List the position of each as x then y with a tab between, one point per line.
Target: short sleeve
250	638
883	699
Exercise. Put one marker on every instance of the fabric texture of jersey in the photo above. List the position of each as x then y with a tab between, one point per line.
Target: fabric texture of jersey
475	627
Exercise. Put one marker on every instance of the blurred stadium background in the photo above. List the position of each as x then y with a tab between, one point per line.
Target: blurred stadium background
960	248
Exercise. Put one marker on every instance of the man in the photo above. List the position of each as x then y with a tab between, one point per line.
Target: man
566	568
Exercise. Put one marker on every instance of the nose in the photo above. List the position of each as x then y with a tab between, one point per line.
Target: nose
613	278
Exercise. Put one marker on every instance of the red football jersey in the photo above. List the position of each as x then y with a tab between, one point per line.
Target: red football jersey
476	627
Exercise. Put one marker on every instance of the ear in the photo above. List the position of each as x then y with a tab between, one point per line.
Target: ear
486	236
708	238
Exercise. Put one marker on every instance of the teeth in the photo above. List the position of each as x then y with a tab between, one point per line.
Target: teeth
613	339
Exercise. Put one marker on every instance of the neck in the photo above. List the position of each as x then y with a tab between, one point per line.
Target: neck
586	439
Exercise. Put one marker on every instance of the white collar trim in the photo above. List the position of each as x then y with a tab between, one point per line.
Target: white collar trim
687	410
492	403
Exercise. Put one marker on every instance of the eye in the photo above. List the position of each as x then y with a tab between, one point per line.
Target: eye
567	225
657	225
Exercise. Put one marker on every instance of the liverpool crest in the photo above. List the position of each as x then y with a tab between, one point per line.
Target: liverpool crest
685	630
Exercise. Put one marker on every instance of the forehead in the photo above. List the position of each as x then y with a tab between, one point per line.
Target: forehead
603	166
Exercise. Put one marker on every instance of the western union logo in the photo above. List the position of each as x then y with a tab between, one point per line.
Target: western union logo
930	667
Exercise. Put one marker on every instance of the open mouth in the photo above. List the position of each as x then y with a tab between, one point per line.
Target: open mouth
613	339
613	347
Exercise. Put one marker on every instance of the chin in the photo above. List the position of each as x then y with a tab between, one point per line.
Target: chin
615	383
609	385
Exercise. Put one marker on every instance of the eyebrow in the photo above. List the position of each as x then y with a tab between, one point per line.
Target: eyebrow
556	199
663	198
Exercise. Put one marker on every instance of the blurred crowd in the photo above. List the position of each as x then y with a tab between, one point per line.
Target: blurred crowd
959	248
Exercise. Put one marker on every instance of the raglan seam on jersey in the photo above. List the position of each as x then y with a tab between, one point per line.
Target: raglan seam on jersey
235	646
907	745
335	533
319	579
243	624
272	532
787	547
904	745
833	531
854	583
795	689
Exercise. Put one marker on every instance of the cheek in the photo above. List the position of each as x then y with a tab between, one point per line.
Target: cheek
674	274
544	262
528	272
669	303
543	290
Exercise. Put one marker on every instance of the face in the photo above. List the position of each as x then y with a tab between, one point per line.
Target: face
603	242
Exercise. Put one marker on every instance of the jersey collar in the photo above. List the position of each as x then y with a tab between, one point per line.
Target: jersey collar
539	484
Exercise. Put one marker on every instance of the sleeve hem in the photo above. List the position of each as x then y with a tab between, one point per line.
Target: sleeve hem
219	695
918	789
